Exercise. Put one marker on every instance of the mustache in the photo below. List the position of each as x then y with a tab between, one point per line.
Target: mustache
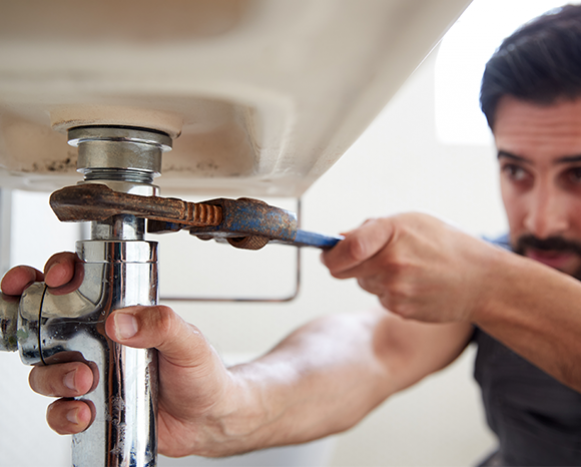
547	244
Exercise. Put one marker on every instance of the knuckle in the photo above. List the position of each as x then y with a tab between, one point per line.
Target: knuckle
54	418
370	284
199	342
369	220
397	266
401	291
164	320
396	306
356	248
33	381
401	230
397	262
337	274
397	297
39	383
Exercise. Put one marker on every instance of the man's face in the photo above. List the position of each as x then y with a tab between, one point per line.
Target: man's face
539	151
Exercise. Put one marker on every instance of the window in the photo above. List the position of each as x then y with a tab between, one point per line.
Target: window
462	55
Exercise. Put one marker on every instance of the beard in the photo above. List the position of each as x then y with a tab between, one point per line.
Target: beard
557	244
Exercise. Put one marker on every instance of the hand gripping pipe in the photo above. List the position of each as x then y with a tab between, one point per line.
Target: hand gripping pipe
117	269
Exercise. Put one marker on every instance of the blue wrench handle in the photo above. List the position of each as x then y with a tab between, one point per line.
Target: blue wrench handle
316	240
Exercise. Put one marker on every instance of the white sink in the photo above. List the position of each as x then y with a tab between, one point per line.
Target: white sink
265	95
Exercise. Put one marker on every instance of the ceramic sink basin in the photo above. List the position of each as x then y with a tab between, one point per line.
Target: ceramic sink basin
262	97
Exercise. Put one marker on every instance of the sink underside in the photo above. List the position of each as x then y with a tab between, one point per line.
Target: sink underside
261	96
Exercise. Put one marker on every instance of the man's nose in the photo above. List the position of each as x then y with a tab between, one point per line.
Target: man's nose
547	213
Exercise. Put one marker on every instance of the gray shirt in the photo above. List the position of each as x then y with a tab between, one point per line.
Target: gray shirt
537	419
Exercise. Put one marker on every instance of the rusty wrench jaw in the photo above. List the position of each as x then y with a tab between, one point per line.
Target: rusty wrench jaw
97	202
244	223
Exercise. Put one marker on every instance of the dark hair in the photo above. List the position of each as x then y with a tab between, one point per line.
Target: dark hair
539	63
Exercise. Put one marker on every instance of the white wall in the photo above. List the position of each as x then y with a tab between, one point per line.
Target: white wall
396	165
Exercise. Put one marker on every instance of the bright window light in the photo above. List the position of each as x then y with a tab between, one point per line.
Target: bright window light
462	55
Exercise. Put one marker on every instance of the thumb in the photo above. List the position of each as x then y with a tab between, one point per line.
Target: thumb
161	328
358	246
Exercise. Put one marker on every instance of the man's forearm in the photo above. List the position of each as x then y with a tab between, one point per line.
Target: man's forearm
328	375
536	311
320	380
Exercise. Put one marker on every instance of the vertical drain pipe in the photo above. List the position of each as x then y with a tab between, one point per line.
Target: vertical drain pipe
121	269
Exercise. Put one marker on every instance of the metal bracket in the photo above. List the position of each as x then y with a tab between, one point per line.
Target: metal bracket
292	296
5	223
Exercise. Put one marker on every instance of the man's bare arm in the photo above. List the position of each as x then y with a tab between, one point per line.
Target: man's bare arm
326	376
536	311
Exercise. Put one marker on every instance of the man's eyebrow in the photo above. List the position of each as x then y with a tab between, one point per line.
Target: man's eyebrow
513	157
568	159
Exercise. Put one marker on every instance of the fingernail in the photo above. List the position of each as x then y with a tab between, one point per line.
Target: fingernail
125	325
72	416
69	379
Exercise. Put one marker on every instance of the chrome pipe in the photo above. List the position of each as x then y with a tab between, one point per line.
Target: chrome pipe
61	328
116	275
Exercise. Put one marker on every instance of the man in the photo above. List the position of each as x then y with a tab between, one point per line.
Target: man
442	288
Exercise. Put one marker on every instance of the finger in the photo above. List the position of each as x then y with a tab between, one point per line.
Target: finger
360	245
19	278
159	327
68	417
61	380
63	273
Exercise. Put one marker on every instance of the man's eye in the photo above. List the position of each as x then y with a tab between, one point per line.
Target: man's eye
515	172
574	175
